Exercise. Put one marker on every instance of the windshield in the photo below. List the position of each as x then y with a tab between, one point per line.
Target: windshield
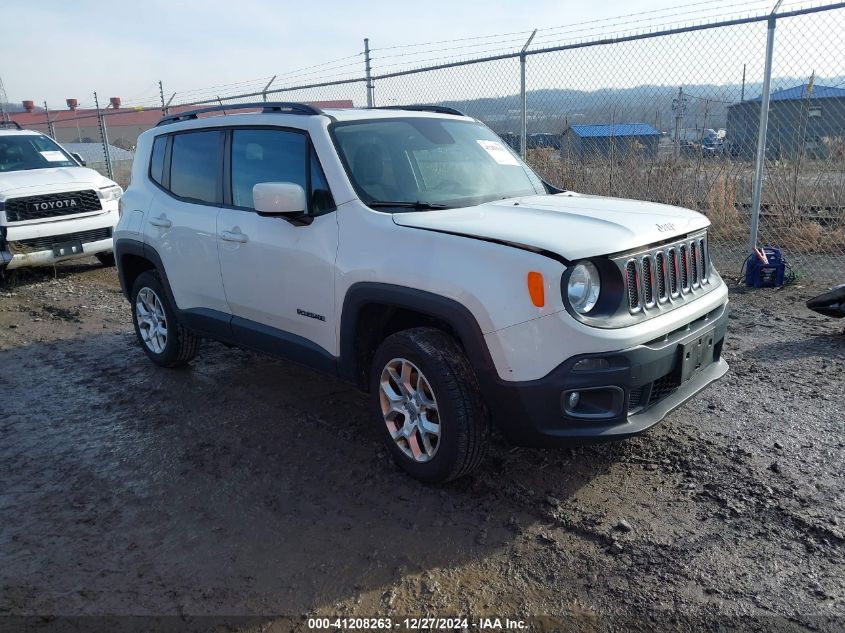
428	163
31	151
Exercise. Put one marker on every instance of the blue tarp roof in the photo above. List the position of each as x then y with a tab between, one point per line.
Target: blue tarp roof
616	129
800	92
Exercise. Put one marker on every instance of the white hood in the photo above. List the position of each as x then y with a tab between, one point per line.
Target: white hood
571	225
56	179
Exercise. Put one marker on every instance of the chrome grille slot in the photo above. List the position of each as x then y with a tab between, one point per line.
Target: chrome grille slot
633	286
648	280
683	256
673	272
693	257
703	255
660	270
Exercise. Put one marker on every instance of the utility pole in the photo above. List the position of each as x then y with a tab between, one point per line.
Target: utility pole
104	136
368	73
679	107
742	94
523	135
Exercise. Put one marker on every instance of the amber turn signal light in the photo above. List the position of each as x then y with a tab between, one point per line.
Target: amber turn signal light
536	289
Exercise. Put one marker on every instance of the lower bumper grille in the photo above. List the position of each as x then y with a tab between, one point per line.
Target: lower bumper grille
652	393
35	244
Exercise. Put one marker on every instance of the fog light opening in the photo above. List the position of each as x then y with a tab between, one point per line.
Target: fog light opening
593	403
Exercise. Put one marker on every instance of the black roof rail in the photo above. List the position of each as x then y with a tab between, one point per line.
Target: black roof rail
11	123
265	107
423	108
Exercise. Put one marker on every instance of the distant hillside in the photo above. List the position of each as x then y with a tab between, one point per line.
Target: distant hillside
550	110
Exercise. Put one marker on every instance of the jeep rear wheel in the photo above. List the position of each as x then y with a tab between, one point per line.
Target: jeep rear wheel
425	394
161	336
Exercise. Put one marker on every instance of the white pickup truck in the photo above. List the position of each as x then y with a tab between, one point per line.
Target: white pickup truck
52	208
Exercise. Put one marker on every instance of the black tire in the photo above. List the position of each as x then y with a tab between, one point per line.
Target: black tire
181	345
106	259
463	416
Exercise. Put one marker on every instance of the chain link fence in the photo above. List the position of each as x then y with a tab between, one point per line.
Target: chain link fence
671	116
674	117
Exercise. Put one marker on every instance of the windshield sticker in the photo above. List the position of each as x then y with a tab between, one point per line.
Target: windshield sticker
499	153
54	156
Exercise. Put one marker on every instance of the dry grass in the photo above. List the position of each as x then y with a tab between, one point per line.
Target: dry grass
802	202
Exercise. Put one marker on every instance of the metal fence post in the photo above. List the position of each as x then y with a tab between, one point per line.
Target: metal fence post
51	132
266	88
368	73
523	97
161	94
104	136
757	187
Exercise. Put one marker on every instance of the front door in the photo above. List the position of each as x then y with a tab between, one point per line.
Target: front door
278	275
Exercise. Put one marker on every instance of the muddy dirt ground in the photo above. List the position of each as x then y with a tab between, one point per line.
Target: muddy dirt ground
243	486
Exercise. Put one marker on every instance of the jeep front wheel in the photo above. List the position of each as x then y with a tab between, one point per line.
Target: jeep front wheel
433	418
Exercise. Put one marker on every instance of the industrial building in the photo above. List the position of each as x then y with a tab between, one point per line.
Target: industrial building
804	120
616	140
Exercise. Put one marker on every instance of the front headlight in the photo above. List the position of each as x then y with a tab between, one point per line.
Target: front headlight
112	192
583	287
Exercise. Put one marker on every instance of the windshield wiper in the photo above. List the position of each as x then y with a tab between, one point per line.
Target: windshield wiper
407	205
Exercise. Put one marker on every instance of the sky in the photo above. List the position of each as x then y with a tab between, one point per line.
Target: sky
119	48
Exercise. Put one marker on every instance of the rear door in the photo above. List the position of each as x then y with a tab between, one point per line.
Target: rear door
276	272
182	222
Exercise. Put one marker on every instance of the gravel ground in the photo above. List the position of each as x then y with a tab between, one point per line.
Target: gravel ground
247	486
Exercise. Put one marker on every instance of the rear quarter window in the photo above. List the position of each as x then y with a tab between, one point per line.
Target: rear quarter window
157	159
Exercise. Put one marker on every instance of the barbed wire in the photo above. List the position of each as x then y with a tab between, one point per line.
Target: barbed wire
493	44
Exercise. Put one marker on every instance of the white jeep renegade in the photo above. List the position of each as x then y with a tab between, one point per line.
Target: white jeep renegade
52	207
410	252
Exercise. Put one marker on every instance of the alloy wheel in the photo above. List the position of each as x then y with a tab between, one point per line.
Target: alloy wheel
409	409
152	322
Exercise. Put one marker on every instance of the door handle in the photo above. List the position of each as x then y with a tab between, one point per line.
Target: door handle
161	221
230	236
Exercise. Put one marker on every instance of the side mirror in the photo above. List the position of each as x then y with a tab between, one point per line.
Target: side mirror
278	198
78	158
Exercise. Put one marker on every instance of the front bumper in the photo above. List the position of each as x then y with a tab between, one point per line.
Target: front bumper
636	389
32	244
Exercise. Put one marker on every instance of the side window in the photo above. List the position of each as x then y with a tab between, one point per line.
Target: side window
157	159
266	156
321	197
195	166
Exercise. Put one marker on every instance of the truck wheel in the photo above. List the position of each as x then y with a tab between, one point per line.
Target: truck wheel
161	336
426	397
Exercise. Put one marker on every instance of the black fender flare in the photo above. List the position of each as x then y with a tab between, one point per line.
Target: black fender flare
126	246
444	309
